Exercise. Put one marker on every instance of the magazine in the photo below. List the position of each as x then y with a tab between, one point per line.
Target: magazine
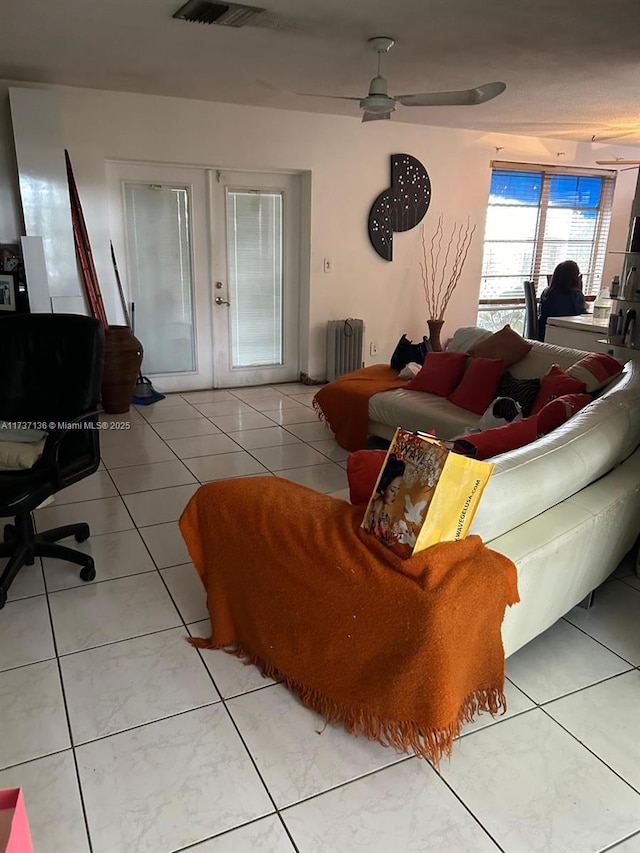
424	494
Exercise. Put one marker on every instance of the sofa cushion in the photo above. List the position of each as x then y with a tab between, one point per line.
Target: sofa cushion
477	388
524	391
596	370
363	469
417	410
505	344
558	411
556	383
491	442
440	373
466	337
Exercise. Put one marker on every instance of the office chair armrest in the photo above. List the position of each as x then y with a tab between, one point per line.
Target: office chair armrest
51	452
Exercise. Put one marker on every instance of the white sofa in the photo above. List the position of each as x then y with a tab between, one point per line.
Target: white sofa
565	508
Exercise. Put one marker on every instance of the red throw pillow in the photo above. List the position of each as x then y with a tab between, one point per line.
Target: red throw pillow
363	468
478	385
555	383
596	370
560	410
440	373
490	442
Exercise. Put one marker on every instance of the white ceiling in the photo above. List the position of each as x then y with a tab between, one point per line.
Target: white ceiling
572	67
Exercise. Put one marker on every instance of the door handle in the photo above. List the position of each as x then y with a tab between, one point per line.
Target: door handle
220	301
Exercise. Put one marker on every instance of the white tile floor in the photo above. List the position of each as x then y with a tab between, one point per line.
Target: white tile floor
127	739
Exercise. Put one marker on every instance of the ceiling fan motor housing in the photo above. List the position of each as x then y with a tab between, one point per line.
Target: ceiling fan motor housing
378	104
378	101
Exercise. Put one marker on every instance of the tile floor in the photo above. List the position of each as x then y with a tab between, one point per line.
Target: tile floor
125	738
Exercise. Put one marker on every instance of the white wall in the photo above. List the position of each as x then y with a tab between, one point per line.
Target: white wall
349	165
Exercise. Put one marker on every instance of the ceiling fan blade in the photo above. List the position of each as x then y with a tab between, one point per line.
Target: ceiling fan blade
618	162
332	97
375	116
461	98
617	135
272	88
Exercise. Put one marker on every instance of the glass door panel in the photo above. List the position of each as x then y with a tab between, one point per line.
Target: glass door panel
157	221
254	247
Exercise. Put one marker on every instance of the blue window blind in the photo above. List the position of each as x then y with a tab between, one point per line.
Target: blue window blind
536	218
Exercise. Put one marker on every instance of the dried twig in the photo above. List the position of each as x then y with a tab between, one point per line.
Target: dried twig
434	273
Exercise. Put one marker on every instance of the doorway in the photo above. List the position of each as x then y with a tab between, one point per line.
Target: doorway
212	265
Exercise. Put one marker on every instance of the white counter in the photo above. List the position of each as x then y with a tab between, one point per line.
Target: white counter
583	322
583	332
579	332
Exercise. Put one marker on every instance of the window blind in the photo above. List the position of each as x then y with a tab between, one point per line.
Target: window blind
254	246
538	216
159	266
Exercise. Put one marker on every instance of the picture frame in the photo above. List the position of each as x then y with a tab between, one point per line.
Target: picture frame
8	291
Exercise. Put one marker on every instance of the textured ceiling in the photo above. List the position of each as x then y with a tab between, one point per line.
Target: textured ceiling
572	69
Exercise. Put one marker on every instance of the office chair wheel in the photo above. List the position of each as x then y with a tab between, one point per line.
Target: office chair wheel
3	598
87	573
9	532
82	534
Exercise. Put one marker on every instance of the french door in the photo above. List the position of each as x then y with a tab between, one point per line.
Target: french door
211	261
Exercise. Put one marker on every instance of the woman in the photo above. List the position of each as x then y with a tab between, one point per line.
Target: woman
379	520
563	297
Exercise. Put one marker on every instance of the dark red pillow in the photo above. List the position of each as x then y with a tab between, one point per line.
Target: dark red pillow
440	373
478	385
363	468
490	442
556	383
560	410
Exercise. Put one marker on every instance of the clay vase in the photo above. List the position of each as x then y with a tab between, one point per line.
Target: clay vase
435	327
122	360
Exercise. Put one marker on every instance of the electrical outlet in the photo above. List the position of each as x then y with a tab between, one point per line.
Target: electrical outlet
328	265
373	349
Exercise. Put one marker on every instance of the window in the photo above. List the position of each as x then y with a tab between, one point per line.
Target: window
537	217
159	254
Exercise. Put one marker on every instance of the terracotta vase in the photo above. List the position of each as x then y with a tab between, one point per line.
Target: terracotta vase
435	327
122	360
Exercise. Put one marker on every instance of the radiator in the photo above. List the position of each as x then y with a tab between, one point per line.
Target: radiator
345	339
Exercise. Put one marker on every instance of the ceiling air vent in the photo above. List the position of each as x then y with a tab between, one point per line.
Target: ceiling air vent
223	14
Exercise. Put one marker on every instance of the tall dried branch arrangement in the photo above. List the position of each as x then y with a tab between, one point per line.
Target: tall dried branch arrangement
440	275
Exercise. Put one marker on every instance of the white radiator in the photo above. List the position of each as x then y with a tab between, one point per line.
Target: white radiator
345	339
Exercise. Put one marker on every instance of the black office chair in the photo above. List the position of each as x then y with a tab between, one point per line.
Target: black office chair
50	373
531	311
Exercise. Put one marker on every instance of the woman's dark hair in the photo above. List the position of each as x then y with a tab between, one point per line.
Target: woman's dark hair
566	276
394	468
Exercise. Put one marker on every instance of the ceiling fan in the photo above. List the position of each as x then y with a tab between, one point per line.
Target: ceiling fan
618	162
378	104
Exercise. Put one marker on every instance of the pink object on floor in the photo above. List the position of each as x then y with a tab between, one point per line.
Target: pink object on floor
14	828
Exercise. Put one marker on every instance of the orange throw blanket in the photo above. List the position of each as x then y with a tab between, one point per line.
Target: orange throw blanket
403	651
344	403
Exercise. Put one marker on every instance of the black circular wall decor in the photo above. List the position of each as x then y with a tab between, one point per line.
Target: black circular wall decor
400	207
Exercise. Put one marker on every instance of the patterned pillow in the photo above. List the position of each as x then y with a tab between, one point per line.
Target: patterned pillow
596	370
524	391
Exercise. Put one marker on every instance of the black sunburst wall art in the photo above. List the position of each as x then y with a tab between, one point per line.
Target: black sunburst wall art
400	207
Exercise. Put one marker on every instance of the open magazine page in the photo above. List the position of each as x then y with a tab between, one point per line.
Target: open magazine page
405	488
